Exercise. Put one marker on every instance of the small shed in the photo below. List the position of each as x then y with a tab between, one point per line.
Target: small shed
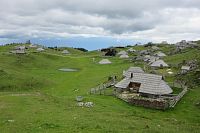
151	59
18	52
32	46
105	61
159	64
155	48
65	52
164	42
19	48
124	56
185	69
160	54
144	52
138	58
131	50
40	49
128	72
122	53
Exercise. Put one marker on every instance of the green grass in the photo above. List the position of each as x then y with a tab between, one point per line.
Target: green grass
40	98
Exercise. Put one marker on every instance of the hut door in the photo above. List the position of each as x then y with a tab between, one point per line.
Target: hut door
134	86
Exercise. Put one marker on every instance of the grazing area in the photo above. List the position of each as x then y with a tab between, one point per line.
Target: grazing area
37	96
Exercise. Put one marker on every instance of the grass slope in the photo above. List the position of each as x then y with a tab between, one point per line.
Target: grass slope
39	98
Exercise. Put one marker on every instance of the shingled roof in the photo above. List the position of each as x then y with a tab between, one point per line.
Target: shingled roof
159	63
128	72
124	56
185	68
20	47
105	61
151	59
18	52
155	48
150	84
160	54
122	53
144	52
65	52
40	49
131	50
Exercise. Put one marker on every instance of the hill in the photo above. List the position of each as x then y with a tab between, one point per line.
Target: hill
36	97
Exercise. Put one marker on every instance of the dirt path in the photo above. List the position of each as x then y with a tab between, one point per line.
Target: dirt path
21	94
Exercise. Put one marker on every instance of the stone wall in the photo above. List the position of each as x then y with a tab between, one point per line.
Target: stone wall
149	103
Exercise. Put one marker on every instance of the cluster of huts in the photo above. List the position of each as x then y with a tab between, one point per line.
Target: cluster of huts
137	84
19	50
185	44
22	49
123	54
151	56
189	66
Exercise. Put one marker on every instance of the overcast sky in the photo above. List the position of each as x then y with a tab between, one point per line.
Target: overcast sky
151	20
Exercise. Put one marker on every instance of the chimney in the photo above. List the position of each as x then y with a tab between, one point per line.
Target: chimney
131	75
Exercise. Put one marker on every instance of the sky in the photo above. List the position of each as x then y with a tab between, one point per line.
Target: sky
95	24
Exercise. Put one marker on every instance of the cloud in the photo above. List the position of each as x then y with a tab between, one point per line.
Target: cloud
154	20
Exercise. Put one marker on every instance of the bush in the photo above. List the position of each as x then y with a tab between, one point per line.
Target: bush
111	52
82	49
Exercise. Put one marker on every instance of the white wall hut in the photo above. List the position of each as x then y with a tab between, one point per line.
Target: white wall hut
122	53
150	59
18	52
124	56
155	48
65	52
159	64
128	72
144	52
20	48
160	54
164	42
40	49
32	46
131	50
105	61
185	69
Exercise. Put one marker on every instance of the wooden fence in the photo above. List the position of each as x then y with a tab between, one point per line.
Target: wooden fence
177	98
101	88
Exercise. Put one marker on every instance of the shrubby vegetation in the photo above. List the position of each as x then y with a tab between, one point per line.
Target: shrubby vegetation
82	49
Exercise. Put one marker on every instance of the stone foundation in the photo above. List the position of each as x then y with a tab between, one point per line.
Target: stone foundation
149	103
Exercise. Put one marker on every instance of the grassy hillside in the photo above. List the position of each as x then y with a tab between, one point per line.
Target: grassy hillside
36	97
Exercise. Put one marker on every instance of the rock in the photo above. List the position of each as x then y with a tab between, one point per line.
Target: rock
80	104
89	104
11	120
86	104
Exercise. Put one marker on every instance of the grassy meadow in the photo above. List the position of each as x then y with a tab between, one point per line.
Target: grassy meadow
35	97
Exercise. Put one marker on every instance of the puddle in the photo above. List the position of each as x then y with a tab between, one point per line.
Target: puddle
68	70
